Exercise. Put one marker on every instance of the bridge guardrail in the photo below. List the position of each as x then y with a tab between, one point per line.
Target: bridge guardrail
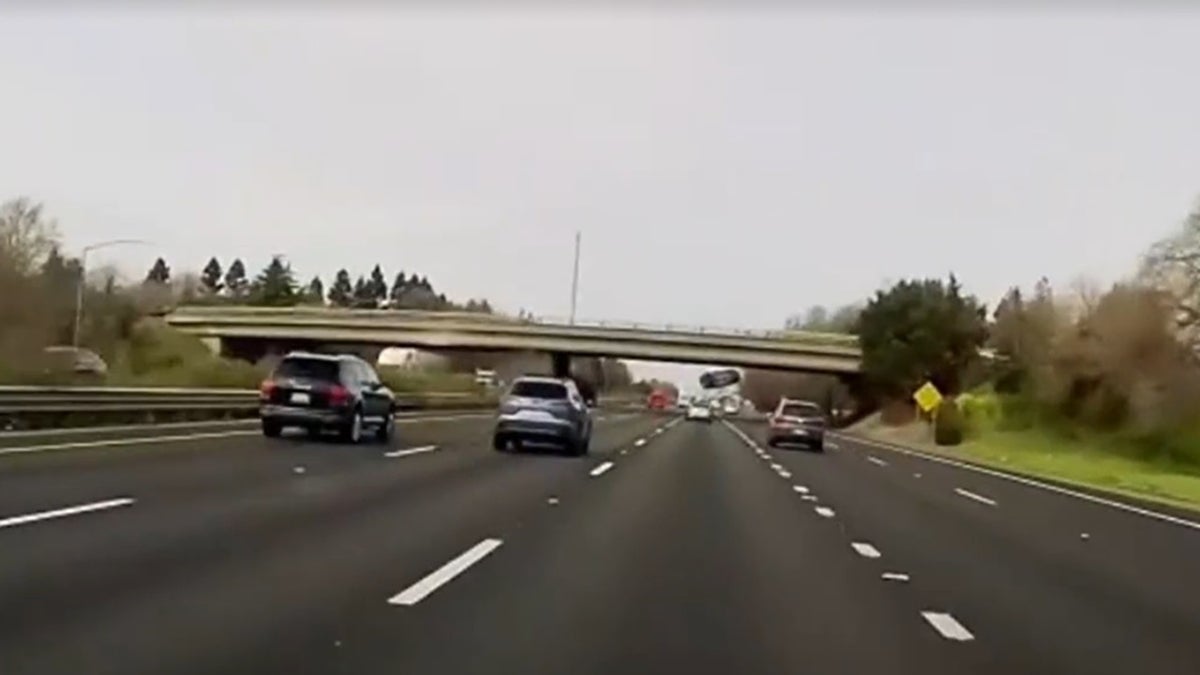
810	337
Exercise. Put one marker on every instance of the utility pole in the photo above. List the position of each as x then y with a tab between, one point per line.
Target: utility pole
575	279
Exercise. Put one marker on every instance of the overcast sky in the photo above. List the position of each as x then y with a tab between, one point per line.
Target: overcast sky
725	168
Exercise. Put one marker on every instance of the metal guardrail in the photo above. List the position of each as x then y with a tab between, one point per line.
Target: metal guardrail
24	400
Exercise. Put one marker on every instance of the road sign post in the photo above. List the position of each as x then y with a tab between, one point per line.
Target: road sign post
928	399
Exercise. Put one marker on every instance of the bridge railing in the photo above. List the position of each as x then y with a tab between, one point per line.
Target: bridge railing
808	337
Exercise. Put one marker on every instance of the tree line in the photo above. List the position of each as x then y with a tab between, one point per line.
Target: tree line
276	285
1124	359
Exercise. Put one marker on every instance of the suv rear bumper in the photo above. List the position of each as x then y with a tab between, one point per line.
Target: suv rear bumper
295	416
560	431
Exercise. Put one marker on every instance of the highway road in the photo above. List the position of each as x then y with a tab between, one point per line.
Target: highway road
673	547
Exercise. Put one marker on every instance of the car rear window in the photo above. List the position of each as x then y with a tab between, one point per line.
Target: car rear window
800	410
308	369
535	389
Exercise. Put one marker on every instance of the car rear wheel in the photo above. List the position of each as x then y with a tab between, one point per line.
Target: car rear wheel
499	443
352	431
271	428
387	430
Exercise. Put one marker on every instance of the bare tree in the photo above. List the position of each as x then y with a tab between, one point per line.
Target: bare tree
26	237
1172	266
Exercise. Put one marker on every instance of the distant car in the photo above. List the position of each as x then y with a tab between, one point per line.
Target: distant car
800	422
699	412
319	391
75	360
543	409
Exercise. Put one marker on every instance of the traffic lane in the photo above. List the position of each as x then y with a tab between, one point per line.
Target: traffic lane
227	459
180	587
1112	542
687	556
261	474
116	436
1038	601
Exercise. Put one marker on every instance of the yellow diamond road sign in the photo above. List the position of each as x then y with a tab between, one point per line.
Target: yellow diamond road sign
928	397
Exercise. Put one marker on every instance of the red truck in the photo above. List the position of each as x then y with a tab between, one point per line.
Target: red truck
661	399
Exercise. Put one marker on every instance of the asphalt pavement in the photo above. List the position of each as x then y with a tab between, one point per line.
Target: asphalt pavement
673	547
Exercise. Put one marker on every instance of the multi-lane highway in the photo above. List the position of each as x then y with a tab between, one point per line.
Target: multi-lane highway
673	547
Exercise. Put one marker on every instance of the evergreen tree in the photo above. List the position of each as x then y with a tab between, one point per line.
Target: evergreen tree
398	287
159	273
210	278
378	285
235	279
341	292
275	286
316	291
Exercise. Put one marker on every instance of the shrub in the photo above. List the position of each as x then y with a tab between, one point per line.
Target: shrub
948	424
979	412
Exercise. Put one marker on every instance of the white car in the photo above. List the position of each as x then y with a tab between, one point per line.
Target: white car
699	412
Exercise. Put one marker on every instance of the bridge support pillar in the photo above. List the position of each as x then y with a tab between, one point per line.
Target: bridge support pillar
214	345
560	364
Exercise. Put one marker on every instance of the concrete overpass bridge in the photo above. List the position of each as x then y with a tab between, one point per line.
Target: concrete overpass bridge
253	333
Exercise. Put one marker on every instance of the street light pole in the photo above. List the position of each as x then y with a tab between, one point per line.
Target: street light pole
82	281
575	279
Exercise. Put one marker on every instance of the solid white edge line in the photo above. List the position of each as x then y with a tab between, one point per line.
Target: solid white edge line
948	626
865	550
824	511
1031	482
894	576
177	438
439	577
600	470
126	441
66	511
410	451
979	498
875	460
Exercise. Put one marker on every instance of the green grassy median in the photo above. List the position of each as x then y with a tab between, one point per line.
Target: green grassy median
1100	463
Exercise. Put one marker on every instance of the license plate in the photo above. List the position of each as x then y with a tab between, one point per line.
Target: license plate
534	415
800	432
301	398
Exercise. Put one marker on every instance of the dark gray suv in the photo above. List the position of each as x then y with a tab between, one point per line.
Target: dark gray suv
318	391
543	409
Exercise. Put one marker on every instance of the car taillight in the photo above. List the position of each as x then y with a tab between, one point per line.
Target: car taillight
266	389
338	395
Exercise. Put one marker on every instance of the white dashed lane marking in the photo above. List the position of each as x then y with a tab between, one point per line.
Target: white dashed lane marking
639	443
411	451
801	489
948	626
13	521
894	576
875	460
599	471
979	498
824	511
865	550
439	577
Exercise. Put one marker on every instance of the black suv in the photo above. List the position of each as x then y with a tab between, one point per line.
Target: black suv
318	391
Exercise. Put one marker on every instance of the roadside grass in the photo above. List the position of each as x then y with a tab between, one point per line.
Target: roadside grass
1104	463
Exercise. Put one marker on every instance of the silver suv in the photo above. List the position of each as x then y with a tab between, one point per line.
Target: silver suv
543	409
